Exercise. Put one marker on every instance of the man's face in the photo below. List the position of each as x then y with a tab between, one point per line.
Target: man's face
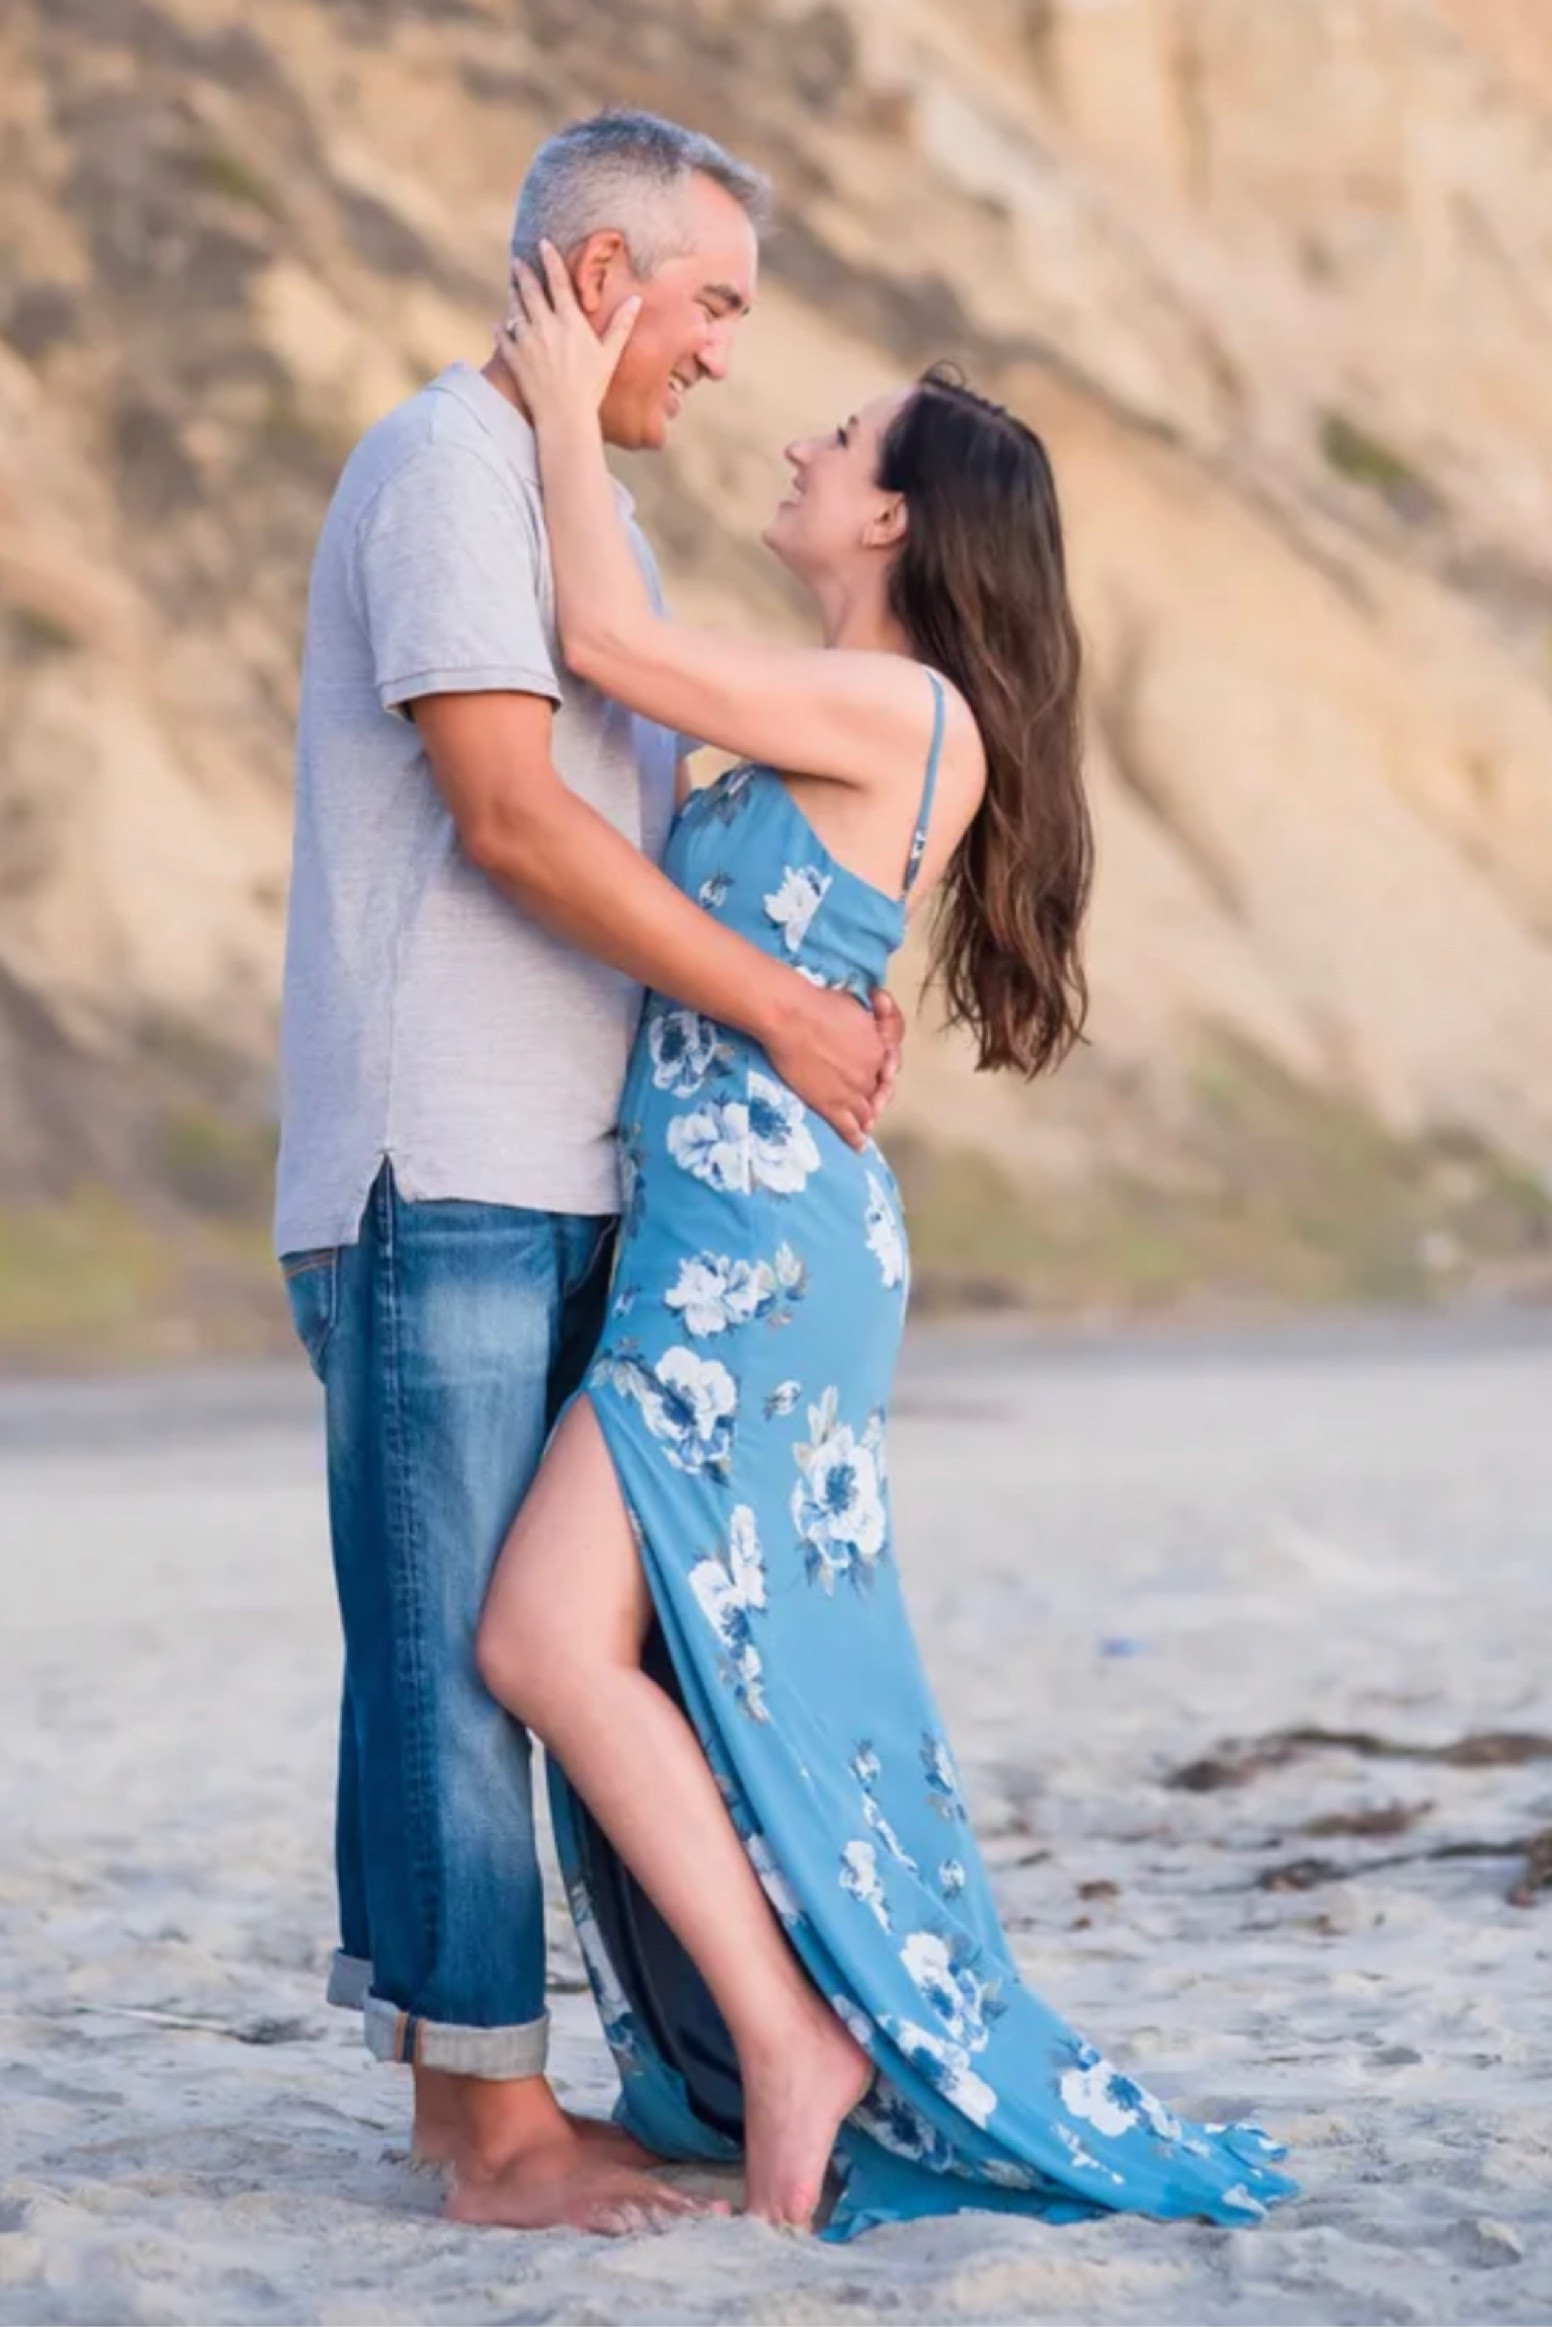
690	310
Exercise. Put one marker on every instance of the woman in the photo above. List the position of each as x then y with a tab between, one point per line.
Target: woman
790	1933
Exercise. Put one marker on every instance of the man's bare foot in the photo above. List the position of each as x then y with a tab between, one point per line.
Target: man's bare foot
514	2156
497	2117
797	2094
603	2137
436	2139
571	2186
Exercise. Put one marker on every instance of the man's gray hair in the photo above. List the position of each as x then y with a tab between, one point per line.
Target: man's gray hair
629	172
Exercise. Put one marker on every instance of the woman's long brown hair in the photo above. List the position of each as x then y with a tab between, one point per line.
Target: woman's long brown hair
980	588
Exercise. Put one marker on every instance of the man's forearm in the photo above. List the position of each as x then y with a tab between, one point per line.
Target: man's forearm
571	870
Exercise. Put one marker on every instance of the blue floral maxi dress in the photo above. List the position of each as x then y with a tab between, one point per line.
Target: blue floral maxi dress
741	1387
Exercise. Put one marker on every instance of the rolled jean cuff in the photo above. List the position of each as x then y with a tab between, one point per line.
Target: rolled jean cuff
498	2053
350	1981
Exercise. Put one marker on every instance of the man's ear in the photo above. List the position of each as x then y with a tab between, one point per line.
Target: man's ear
592	265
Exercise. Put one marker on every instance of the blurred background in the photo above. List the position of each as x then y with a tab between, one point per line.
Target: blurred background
1275	279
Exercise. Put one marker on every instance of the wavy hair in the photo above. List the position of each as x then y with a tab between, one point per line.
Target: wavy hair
980	587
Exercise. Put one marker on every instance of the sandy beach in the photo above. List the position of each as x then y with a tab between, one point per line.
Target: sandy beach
1122	1554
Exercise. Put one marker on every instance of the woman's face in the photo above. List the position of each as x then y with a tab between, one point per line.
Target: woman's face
835	515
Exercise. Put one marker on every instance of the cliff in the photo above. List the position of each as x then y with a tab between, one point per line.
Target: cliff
1271	280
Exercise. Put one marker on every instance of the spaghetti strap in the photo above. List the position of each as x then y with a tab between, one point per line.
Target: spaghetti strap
924	818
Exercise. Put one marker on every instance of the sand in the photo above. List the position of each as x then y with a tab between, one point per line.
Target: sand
1120	1553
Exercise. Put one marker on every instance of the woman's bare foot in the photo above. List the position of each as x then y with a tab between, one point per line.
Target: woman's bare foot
798	2092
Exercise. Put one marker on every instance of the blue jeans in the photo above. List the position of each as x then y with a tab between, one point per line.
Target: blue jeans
447	1339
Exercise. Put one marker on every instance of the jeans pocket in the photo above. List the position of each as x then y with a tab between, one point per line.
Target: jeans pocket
312	1287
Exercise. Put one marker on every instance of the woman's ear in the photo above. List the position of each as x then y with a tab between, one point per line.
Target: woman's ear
887	529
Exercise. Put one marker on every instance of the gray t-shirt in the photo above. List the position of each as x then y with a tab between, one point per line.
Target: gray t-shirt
426	1018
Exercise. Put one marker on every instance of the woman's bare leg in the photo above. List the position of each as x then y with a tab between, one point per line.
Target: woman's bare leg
560	1645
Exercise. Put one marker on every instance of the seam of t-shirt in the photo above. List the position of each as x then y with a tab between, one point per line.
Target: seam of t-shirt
625	499
501	472
437	419
504	678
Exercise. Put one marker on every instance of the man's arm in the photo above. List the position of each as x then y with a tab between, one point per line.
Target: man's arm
447	564
571	870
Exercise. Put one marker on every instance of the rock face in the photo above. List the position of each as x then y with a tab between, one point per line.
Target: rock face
1273	283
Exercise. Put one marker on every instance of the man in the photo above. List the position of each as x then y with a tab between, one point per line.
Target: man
474	911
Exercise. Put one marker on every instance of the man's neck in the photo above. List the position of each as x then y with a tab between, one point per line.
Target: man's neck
502	381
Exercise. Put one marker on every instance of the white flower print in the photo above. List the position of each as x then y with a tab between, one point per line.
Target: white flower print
791	1274
781	1153
726	797
722	1771
700	1293
1086	2093
1084	2158
782	1400
866	1768
700	1403
632	1161
712	1144
947	1980
897	2124
951	1878
685	1048
946	2065
754	1292
793	906
613	2003
1161	2123
772	1881
1241	2200
714	891
942	1783
713	1293
1111	2102
689	1404
885	1240
792	1286
1003	2174
855	2022
837	1504
885	1832
860	1881
730	1589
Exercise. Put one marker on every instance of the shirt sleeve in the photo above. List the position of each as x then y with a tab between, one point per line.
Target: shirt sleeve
449	575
